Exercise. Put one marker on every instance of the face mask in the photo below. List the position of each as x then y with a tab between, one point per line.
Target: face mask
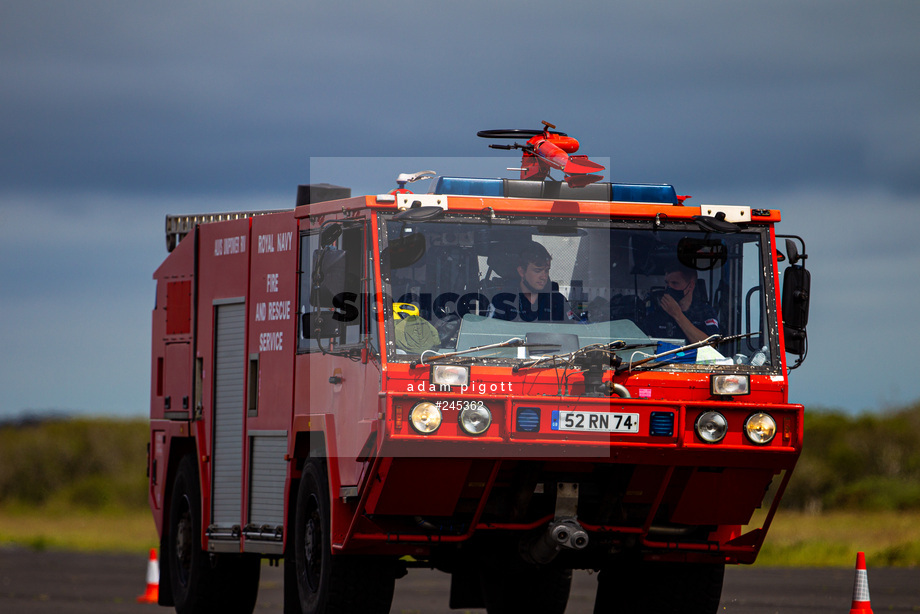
677	295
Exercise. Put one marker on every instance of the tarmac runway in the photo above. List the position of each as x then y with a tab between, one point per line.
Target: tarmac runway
61	582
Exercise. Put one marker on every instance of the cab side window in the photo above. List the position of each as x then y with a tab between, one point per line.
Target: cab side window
350	306
335	307
309	243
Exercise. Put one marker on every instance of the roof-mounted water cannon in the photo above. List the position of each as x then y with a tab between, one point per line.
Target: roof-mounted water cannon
545	150
403	178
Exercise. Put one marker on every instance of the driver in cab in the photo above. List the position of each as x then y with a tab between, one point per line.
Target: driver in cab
679	313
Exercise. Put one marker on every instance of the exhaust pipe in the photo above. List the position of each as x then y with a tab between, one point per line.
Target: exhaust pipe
569	534
562	533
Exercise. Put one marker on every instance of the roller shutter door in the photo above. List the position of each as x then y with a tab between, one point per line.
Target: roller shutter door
266	487
229	374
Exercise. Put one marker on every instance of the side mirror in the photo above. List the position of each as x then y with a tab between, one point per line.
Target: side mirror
793	252
329	234
327	277
796	294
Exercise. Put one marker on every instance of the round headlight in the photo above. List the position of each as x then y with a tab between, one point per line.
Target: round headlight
425	418
475	419
711	426
760	428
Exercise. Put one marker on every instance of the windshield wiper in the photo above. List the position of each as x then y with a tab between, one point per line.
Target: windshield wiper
510	343
602	347
712	340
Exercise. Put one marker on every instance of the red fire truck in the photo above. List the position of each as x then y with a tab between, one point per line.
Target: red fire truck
503	379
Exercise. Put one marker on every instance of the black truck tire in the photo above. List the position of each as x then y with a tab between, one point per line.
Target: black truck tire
659	588
327	583
201	582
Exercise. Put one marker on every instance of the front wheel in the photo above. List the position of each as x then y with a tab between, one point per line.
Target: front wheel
201	583
327	583
659	588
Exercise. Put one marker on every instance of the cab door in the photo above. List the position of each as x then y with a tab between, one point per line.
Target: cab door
344	367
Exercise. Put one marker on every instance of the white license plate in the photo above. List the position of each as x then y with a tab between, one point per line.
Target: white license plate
595	421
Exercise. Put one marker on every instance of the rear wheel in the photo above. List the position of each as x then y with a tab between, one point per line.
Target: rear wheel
339	584
200	582
659	588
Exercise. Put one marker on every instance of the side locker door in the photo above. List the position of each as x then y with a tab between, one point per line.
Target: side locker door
178	354
270	386
220	361
229	378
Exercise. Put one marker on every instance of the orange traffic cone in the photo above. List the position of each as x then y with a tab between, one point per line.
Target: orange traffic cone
861	603
153	580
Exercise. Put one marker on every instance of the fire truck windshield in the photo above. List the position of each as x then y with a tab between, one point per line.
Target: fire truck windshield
463	282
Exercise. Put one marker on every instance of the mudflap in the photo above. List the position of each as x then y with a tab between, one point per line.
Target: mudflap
466	589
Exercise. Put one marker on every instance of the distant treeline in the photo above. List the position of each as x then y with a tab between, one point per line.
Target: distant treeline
864	462
74	463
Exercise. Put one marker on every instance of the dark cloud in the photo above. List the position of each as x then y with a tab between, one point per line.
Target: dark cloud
231	96
115	114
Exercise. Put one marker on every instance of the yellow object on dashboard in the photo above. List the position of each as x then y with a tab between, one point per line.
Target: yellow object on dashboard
404	309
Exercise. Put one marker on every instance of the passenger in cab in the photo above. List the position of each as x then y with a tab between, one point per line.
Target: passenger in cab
531	297
678	312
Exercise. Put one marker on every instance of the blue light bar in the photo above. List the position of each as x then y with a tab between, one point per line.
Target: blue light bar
463	186
643	193
520	188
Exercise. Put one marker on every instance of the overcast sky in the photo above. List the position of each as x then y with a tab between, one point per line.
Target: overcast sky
117	113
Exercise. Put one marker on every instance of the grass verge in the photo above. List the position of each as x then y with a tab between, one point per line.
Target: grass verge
83	531
832	539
